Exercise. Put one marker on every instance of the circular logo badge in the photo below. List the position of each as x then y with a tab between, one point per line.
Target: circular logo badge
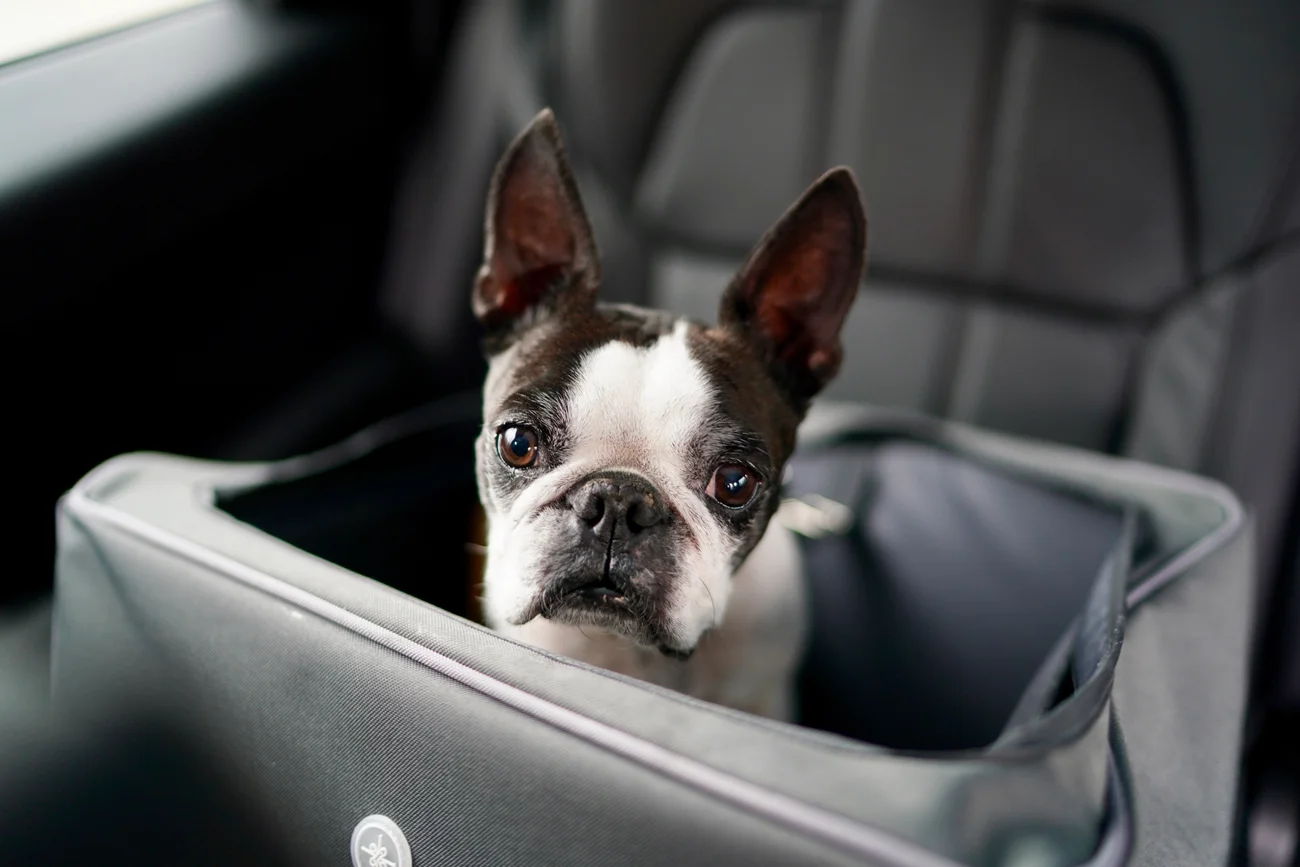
378	842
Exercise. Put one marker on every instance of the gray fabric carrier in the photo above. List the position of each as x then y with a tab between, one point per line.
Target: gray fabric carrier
1021	654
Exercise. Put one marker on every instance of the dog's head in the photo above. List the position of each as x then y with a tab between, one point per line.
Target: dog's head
630	460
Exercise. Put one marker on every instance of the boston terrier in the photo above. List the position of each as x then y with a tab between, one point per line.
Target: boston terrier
630	460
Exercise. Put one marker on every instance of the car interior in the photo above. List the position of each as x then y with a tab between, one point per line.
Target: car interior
244	231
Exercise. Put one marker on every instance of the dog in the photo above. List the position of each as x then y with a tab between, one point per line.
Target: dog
630	461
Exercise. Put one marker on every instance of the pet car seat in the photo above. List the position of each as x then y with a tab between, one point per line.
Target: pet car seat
1022	653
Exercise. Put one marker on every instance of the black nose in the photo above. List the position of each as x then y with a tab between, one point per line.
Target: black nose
618	505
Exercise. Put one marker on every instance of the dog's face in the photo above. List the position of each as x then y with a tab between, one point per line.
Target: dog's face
629	461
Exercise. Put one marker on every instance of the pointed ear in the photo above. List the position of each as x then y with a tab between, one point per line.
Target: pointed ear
791	298
538	246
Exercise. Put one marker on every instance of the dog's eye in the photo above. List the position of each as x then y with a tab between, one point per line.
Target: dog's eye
517	446
733	485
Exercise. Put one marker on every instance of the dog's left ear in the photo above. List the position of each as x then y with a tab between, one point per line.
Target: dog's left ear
791	298
538	245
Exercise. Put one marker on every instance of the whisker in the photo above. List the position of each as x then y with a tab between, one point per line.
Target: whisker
712	604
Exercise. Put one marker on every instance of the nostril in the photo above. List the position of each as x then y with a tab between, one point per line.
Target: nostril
590	507
643	515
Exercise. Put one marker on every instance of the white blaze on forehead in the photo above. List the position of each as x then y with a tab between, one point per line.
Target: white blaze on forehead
640	407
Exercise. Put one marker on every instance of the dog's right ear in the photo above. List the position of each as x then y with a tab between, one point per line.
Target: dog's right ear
538	246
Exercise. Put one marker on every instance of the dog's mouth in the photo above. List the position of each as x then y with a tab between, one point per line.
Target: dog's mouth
603	601
602	591
596	595
610	593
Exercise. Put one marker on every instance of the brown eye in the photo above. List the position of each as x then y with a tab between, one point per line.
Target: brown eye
517	446
733	485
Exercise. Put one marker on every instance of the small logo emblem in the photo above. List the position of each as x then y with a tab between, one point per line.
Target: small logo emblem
378	842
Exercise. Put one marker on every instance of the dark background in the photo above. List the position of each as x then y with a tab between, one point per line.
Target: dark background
207	286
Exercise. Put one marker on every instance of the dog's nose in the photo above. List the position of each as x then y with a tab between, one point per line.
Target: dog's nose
623	506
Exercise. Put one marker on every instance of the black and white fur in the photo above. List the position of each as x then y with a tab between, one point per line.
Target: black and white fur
616	543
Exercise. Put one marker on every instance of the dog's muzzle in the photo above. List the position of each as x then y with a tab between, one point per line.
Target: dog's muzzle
617	558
